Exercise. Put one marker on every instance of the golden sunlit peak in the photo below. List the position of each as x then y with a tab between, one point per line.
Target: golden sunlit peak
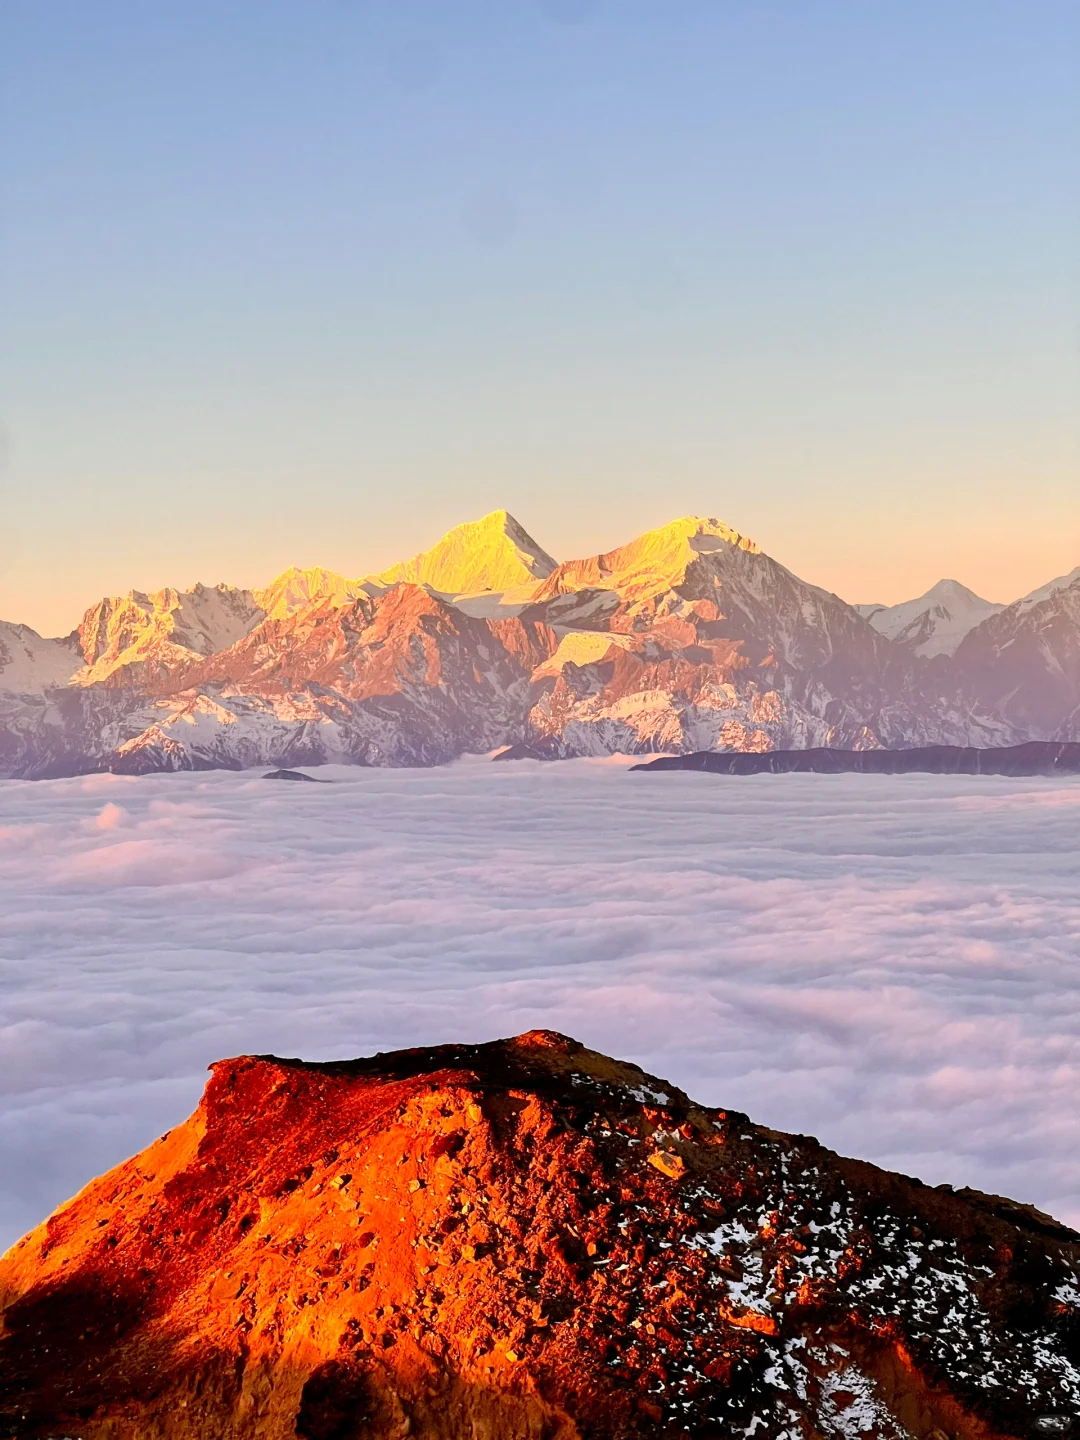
653	562
295	587
493	553
691	526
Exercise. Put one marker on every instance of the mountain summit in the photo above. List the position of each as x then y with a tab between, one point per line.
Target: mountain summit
650	565
522	1240
936	622
295	588
495	553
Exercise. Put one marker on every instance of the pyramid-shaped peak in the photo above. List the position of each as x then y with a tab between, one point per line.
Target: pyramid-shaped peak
493	520
946	590
935	623
493	553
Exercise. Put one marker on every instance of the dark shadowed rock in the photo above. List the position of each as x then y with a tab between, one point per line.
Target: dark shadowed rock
523	752
1035	758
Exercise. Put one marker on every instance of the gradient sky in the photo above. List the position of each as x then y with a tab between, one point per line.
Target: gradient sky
312	280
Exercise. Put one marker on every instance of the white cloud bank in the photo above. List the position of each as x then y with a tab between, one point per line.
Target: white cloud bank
890	963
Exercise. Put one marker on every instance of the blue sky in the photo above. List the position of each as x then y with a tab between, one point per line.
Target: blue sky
310	282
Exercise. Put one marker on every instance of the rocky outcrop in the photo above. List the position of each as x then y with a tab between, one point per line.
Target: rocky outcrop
525	1239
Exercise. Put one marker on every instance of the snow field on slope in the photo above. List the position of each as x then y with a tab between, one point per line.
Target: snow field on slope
890	963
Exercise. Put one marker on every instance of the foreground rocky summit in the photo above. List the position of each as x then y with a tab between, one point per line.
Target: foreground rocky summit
525	1241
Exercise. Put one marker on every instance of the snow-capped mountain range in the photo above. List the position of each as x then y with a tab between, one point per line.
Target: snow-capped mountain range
687	638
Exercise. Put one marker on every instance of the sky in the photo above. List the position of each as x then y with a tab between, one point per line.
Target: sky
885	962
309	283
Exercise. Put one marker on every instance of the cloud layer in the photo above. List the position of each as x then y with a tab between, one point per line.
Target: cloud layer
890	963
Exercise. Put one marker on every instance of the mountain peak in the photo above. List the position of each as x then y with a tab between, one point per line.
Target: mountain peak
652	562
946	587
296	587
711	526
523	1238
934	623
493	553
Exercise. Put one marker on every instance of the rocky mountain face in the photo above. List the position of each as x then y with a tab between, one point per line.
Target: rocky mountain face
143	640
691	638
688	638
404	678
1024	663
31	664
524	1240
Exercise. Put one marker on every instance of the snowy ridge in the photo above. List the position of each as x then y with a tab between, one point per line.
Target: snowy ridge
655	562
1023	664
1044	592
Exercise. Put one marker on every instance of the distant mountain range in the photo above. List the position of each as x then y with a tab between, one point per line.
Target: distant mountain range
689	638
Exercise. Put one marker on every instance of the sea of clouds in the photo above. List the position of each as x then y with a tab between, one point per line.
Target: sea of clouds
889	963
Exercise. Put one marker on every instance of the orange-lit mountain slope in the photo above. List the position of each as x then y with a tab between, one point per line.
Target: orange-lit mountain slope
523	1240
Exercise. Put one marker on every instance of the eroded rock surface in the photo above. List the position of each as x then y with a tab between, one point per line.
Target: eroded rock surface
525	1241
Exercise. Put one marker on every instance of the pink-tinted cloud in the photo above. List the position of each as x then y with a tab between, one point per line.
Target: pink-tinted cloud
892	964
